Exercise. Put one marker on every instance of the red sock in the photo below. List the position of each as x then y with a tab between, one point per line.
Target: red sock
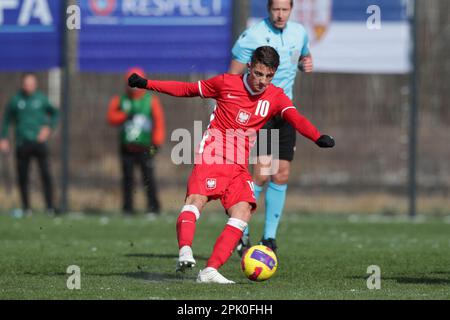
186	228
224	246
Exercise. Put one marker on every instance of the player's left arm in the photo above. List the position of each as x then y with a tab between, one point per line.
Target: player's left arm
306	128
303	126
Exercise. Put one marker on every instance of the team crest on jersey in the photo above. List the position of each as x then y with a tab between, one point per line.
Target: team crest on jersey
315	15
243	117
211	184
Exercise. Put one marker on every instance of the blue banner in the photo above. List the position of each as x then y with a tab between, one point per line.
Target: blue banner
163	36
29	35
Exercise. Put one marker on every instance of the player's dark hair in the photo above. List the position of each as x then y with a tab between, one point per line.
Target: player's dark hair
270	3
266	55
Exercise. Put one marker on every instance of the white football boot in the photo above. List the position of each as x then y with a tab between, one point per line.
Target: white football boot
211	275
185	260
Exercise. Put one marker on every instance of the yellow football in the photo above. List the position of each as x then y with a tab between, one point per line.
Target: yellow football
259	263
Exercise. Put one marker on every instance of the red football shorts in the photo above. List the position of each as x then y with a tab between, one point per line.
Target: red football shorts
231	183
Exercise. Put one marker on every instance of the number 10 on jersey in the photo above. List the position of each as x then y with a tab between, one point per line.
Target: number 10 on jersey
263	108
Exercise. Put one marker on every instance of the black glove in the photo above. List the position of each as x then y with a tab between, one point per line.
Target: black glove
136	81
325	141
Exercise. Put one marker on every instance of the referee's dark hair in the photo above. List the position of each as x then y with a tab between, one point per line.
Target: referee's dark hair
270	3
266	55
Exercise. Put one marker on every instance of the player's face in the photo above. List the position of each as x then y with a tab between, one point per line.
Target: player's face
280	12
260	76
29	84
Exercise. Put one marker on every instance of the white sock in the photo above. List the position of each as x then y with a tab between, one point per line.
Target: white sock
185	250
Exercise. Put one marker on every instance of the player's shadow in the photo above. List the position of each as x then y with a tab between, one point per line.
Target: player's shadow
139	275
161	256
150	276
425	279
160	277
164	277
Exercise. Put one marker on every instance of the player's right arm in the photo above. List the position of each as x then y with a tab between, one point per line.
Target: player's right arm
205	88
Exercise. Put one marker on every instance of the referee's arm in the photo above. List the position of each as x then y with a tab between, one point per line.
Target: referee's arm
305	63
237	67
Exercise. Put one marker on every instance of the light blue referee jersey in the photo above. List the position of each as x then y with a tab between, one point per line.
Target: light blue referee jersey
290	43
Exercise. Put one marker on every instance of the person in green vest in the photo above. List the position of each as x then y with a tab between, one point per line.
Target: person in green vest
35	119
140	117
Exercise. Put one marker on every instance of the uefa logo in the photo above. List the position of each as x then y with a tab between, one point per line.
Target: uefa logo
102	7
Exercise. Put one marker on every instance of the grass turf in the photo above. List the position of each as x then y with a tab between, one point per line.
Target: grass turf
320	257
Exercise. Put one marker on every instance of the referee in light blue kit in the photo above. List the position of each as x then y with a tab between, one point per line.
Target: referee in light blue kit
291	41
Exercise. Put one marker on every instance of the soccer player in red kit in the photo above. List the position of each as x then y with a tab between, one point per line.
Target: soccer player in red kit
244	104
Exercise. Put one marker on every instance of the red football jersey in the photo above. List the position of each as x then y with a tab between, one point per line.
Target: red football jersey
239	114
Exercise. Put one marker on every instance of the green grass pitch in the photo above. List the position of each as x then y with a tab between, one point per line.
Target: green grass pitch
320	257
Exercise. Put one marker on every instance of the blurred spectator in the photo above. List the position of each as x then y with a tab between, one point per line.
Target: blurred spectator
34	118
139	114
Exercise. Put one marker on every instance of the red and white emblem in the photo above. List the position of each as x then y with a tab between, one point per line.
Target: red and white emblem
243	117
315	15
211	184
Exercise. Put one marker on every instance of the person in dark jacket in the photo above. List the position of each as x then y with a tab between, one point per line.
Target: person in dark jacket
35	119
